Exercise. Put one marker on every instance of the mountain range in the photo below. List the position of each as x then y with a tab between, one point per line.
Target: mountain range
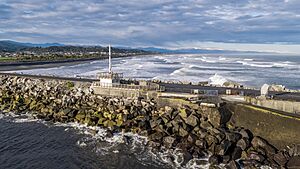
12	46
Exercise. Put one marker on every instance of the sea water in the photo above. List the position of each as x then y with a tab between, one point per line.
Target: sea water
29	143
252	70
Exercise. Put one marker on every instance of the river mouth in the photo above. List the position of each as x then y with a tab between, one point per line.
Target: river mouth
31	143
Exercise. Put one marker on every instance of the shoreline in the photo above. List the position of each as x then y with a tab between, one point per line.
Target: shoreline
28	65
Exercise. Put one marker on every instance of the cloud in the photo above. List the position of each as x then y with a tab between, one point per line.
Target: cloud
151	22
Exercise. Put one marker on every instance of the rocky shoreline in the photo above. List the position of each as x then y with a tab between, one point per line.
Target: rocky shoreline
201	132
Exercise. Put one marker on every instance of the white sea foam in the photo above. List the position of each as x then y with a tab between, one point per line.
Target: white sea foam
24	120
191	67
222	58
137	144
208	60
217	80
256	64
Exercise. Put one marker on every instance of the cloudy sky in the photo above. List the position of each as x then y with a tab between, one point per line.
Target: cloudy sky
264	25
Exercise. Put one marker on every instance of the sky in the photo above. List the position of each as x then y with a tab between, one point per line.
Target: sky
260	25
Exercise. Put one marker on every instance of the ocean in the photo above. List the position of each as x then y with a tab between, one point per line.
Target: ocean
29	143
252	70
26	143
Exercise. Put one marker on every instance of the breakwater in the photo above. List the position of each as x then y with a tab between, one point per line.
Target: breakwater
197	132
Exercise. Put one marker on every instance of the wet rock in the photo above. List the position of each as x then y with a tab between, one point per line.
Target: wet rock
281	158
233	137
211	140
236	153
192	138
226	159
201	143
243	143
250	164
80	116
232	165
294	163
206	125
246	133
183	113
183	157
256	156
153	144
182	132
66	111
260	142
294	150
109	134
223	148
192	120
169	141
217	117
214	159
157	136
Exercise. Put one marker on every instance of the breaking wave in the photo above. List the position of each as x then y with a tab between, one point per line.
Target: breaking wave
217	80
104	143
192	68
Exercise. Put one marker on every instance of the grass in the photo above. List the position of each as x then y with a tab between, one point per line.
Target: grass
6	59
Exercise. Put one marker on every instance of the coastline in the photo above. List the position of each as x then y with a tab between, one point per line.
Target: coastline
27	65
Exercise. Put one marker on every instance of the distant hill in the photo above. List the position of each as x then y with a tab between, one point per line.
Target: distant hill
76	49
192	51
11	46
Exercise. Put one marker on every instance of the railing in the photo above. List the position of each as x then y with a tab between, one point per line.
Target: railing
107	75
128	86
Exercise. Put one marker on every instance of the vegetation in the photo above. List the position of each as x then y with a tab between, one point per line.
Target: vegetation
57	53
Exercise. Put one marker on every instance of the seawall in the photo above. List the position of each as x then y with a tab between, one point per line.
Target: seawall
279	128
282	105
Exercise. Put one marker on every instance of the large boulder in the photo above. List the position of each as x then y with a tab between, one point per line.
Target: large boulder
80	116
243	143
236	153
294	163
182	132
201	143
232	165
294	150
281	158
256	156
192	120
169	141
232	136
258	142
184	112
214	159
223	148
218	117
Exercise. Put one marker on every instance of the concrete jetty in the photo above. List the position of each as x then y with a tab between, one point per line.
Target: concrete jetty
224	131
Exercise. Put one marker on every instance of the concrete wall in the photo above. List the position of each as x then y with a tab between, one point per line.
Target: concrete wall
280	129
122	92
287	106
175	102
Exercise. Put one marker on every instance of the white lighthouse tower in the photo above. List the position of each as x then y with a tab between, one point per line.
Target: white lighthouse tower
109	59
109	78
